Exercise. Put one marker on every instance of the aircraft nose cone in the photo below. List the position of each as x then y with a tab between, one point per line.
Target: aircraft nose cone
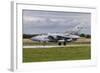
77	37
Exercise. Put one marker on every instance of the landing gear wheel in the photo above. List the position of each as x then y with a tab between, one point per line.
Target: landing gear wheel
64	43
59	43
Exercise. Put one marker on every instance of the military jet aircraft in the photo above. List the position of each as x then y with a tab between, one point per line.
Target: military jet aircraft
60	38
55	37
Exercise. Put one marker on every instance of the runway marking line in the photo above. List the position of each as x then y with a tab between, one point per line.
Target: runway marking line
54	46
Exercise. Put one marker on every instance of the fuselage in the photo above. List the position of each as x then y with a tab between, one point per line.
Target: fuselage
55	37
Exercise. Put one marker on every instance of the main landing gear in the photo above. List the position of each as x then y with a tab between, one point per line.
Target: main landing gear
60	43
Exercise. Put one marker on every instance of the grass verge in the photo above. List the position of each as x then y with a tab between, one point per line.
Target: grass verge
56	54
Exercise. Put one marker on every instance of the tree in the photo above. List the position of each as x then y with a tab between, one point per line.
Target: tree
29	35
88	36
82	35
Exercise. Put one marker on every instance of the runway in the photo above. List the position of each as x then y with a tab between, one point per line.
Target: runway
49	46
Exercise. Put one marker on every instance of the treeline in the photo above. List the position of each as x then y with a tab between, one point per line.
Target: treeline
85	35
29	35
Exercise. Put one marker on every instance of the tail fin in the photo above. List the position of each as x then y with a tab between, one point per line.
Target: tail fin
76	29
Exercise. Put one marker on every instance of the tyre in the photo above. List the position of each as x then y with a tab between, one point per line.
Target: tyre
64	43
59	43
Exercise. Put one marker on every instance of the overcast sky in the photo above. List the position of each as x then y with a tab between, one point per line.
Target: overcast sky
35	22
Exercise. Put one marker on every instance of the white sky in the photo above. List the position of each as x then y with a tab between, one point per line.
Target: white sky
35	22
